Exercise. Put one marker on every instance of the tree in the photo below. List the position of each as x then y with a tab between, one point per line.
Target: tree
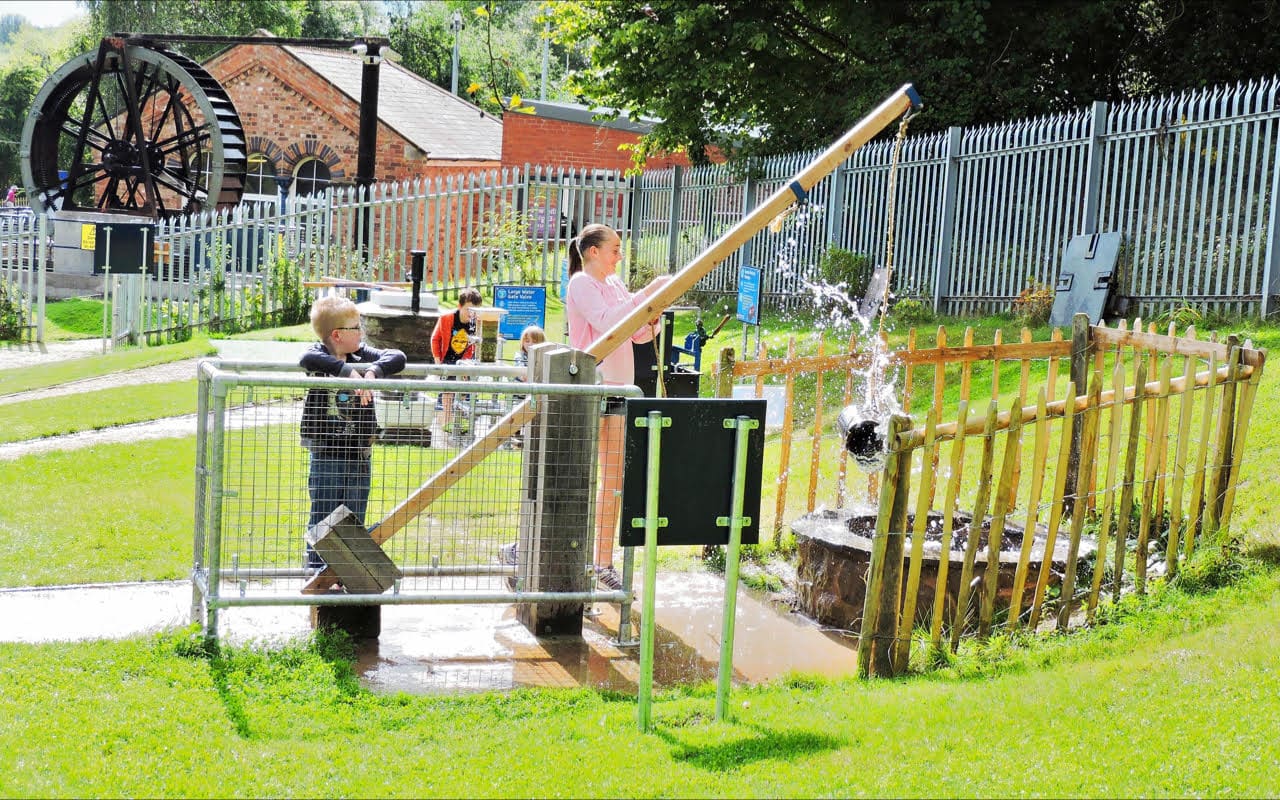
342	19
500	48
18	87
209	17
780	75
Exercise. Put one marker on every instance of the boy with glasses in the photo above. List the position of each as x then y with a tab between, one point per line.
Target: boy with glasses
338	425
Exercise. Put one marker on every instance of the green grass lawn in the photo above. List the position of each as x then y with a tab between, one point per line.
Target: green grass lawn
1179	705
1175	695
98	365
106	408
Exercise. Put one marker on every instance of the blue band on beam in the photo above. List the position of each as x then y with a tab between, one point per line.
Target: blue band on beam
913	96
798	191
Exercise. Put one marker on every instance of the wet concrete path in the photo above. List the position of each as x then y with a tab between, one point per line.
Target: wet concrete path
460	648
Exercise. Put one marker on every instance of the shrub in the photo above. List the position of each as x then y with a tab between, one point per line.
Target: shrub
13	315
910	311
1032	306
848	270
1213	565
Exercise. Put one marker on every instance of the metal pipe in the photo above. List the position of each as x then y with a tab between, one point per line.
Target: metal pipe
403	599
388	384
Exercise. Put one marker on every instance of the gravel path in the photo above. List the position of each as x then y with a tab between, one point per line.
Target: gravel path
28	354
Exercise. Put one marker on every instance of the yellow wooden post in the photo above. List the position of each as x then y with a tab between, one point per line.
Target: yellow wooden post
1040	452
1226	425
876	579
816	442
948	524
923	501
975	526
1006	495
1108	503
1130	469
1202	450
784	447
1088	451
1055	505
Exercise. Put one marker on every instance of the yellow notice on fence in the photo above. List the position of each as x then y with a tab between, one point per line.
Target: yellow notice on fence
88	235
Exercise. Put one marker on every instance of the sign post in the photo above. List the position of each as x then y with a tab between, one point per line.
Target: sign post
742	427
749	302
709	466
525	306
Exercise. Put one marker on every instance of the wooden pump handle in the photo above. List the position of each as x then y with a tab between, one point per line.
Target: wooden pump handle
797	188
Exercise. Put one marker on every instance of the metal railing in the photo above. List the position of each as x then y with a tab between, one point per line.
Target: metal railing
254	484
24	249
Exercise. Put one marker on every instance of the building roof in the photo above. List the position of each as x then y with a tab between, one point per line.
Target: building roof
587	115
440	124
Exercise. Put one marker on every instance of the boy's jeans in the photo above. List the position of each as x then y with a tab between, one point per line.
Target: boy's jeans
334	482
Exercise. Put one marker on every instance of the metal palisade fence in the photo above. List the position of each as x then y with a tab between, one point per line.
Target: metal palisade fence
247	266
1187	179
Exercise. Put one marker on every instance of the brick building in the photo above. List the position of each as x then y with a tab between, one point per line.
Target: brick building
568	135
300	108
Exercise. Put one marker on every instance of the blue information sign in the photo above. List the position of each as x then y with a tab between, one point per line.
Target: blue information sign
749	295
525	305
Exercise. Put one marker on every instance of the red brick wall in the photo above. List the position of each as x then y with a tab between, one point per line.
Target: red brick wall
531	139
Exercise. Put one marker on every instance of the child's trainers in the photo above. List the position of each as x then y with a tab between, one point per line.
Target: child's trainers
609	578
508	554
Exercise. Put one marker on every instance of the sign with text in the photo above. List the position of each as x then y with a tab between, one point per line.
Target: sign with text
525	305
749	295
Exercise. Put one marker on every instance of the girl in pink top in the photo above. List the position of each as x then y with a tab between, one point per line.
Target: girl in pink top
596	300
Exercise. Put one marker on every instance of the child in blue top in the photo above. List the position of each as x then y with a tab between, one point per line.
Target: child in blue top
338	426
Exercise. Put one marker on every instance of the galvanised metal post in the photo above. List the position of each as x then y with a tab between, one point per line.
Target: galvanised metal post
220	387
947	218
673	234
42	254
655	422
736	522
1271	267
1093	169
203	387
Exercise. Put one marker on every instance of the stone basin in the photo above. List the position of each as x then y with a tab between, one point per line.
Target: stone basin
389	321
834	548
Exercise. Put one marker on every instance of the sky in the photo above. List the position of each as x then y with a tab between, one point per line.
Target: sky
42	13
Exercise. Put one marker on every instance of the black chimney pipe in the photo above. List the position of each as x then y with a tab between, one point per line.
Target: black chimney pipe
417	267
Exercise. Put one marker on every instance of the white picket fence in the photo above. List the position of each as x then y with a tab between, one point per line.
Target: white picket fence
24	247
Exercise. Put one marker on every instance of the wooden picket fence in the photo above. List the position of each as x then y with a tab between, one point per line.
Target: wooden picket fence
1141	463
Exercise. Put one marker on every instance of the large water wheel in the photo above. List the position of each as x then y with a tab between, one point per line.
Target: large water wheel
133	128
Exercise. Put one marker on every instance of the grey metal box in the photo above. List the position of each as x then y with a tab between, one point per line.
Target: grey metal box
1086	277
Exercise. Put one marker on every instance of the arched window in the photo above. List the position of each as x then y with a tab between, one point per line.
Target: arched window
311	177
261	176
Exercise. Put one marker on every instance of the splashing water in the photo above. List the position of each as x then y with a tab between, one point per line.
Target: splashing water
865	424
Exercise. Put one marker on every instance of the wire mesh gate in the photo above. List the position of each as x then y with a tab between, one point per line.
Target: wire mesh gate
450	499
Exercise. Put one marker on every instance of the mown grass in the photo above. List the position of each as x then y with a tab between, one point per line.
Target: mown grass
98	365
78	315
1169	697
102	409
1174	706
106	513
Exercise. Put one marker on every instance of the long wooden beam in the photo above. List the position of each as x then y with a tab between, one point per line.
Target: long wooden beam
797	189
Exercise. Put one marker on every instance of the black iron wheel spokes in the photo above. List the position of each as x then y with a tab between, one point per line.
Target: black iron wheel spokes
134	129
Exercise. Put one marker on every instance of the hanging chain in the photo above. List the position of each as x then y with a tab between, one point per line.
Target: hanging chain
890	207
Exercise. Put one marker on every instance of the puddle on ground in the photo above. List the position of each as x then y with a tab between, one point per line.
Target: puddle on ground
464	648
